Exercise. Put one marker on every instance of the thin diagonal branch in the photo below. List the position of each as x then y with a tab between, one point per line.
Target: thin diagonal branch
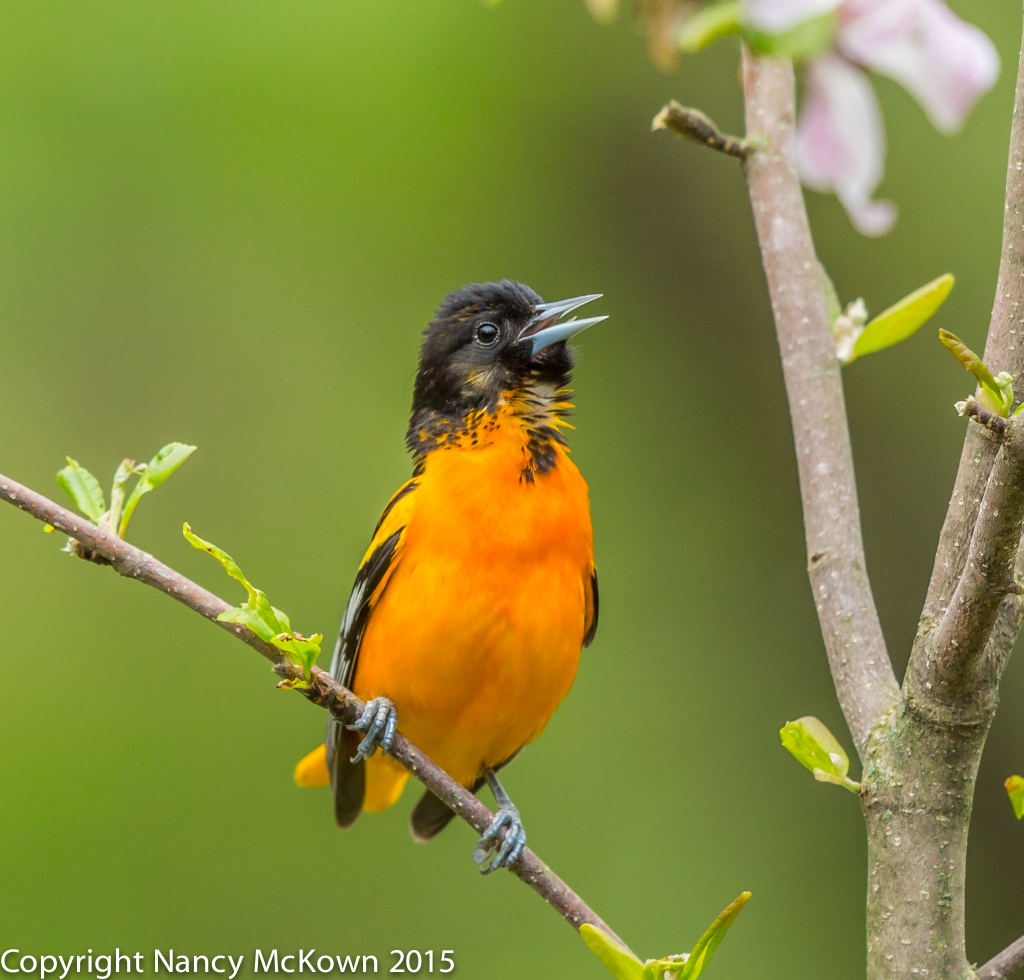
863	675
1003	964
949	662
134	563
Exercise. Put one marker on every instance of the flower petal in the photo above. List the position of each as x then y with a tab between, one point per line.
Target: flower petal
942	61
778	16
840	142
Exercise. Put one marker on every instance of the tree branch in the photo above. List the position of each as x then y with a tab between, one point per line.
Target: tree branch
1004	351
948	663
970	408
863	675
1009	961
324	691
693	125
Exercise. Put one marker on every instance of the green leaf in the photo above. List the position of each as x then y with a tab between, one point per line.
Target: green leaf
282	619
816	748
266	621
248	617
707	25
165	462
158	469
224	558
302	650
124	473
84	489
1015	790
904	318
996	393
625	965
807	40
701	954
268	614
621	963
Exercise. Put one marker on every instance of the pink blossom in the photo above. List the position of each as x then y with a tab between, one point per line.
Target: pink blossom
943	62
840	142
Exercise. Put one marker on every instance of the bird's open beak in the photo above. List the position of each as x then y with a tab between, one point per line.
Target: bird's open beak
545	330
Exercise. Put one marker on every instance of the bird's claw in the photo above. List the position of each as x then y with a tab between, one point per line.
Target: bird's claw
379	721
507	851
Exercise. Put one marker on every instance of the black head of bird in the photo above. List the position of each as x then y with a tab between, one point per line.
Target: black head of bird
489	340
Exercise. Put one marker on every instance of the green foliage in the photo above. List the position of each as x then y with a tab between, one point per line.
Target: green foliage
269	623
84	489
817	749
807	40
709	24
904	318
855	336
621	963
1015	790
995	393
624	965
153	473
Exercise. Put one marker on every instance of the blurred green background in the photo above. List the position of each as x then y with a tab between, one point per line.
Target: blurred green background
227	223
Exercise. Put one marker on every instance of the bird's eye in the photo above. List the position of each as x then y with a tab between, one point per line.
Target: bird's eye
487	334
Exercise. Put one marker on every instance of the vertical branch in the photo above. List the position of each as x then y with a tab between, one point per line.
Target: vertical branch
920	786
863	675
1004	351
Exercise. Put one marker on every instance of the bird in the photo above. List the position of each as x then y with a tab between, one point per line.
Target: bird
470	609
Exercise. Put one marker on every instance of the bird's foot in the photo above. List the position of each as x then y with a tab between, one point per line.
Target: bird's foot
505	852
379	721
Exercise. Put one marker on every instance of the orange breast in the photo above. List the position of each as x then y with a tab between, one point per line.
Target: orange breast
477	637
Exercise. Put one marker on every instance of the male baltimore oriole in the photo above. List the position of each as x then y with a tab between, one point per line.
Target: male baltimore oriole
478	590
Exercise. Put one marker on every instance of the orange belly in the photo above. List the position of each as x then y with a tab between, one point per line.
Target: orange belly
477	636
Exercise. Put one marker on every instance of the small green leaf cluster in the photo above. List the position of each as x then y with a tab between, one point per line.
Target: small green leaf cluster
995	392
806	40
84	489
1015	790
268	622
855	335
817	749
623	965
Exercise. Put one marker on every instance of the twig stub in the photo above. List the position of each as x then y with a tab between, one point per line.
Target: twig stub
970	408
694	125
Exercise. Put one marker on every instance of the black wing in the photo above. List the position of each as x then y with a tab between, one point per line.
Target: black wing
348	779
593	609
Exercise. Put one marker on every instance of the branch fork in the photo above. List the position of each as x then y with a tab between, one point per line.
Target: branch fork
949	665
